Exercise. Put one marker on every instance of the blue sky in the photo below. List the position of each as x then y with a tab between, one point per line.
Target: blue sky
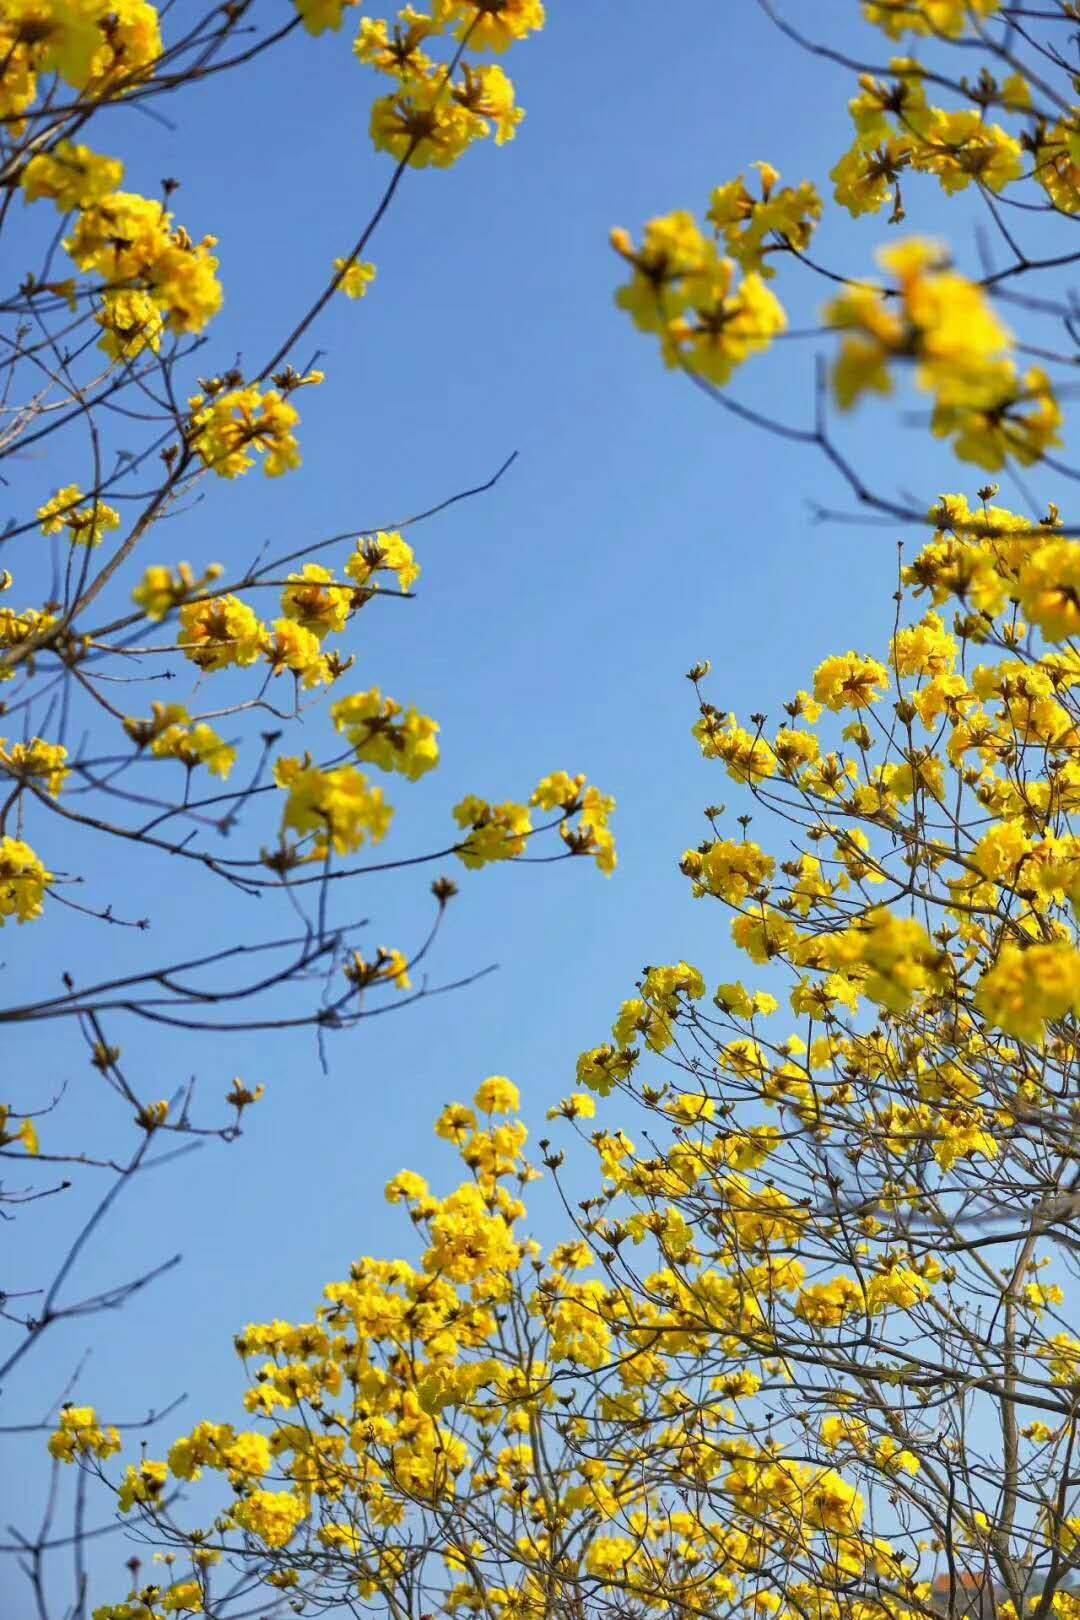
640	529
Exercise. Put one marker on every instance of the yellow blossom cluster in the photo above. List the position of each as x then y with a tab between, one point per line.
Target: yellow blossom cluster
961	351
85	525
337	809
750	227
23	881
19	629
898	130
79	1434
383	552
93	46
709	319
942	17
231	424
501	832
438	108
382	733
131	245
220	631
170	733
36	761
408	1394
71	176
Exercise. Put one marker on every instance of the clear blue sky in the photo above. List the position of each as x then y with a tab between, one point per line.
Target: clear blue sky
641	529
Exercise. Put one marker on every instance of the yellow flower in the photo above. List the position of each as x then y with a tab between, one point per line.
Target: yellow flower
398	50
579	1105
85	525
319	15
131	322
494	832
162	588
961	146
849	681
592	835
384	734
893	957
220	632
247	1457
455	1122
468	1241
406	1186
945	324
864	178
338	806
729	871
389	966
491	27
827	1304
724	324
355	277
25	1132
79	1434
226	428
314	600
423	125
273	1517
1008	413
833	1504
741	1003
36	760
94	46
604	1067
899	1286
71	176
23	880
936	17
143	1485
488	94
559	791
607	1558
184	1598
894	1458
764	937
1040	1296
292	646
925	648
1062	1356
132	244
498	1095
748	758
18	628
384	552
752	226
194	745
674	258
242	1096
1057	164
1049	589
1026	988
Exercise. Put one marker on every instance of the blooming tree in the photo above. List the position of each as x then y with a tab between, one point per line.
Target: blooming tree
804	1349
121	402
